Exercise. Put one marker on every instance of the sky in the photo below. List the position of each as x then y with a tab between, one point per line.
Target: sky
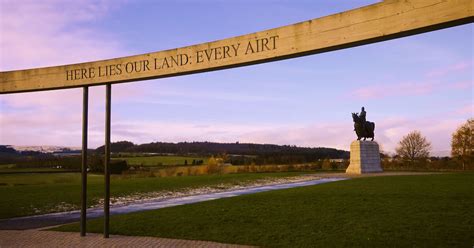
422	82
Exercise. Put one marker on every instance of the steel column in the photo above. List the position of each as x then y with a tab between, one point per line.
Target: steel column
85	107
107	160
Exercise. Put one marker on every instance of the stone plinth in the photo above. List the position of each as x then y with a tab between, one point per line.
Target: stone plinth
365	157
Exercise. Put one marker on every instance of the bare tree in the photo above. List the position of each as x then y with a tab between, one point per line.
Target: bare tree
462	144
413	146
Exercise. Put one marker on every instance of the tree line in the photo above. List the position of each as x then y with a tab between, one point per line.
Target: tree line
248	153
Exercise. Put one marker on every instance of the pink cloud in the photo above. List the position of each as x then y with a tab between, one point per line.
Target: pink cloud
466	110
407	89
312	135
378	91
393	90
60	40
455	68
51	32
461	85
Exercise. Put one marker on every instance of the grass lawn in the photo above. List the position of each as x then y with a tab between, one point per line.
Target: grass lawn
28	194
396	211
160	160
12	168
29	170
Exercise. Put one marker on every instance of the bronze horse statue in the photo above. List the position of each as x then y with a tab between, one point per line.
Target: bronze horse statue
363	131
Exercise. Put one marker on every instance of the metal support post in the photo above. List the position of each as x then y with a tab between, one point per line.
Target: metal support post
107	160
85	107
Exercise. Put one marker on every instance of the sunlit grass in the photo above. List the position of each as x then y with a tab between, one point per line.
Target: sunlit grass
161	160
397	211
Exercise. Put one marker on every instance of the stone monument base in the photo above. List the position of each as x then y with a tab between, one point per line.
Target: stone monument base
365	157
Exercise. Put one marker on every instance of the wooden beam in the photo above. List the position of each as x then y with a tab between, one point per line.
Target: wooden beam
374	23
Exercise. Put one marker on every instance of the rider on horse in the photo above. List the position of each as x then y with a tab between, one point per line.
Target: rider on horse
362	127
363	118
362	115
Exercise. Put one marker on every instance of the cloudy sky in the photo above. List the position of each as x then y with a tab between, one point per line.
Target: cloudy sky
422	82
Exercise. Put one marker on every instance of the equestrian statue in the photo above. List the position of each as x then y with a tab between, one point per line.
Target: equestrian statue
364	129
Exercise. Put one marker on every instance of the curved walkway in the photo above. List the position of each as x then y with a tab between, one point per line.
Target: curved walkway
36	238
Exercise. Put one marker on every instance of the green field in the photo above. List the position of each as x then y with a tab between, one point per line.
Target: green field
28	194
29	170
160	160
397	211
7	166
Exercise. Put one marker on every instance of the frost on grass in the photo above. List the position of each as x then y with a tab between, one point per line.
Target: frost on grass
183	192
61	207
64	207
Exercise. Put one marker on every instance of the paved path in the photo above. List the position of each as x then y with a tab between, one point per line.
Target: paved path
37	221
35	238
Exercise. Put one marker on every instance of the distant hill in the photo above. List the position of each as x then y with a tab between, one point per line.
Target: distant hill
212	148
46	149
441	153
7	150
